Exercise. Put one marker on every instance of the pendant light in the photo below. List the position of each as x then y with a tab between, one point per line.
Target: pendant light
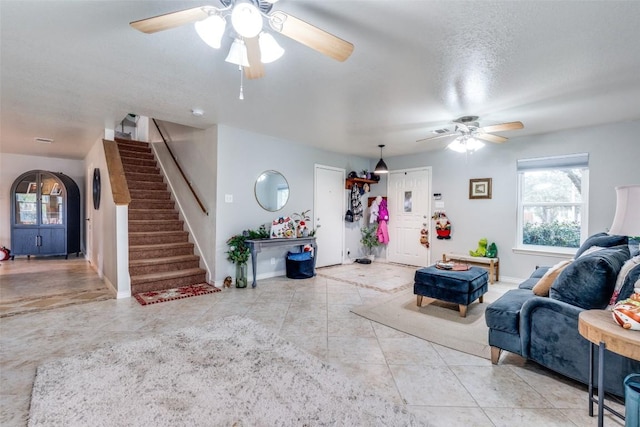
381	167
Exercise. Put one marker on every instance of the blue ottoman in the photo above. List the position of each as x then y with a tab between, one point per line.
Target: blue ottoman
458	287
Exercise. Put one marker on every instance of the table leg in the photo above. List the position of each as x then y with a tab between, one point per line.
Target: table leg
601	384
254	262
591	351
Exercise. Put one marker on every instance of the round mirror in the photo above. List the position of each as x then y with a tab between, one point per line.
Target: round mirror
272	191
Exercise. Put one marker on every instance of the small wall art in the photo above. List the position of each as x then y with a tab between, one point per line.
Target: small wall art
480	188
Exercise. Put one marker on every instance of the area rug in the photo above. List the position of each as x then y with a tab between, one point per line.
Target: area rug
383	277
436	321
155	297
233	372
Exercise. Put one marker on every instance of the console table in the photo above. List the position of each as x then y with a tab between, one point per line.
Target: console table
599	328
256	246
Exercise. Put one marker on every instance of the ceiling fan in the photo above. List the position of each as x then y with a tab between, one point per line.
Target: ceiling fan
468	132
252	46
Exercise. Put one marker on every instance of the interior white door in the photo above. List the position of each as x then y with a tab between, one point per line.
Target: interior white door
328	212
409	212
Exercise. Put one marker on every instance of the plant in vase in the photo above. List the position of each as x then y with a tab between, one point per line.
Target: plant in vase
369	239
238	254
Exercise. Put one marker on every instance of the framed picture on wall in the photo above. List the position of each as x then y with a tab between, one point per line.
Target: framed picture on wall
480	188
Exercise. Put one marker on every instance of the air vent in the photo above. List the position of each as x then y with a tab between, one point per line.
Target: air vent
43	140
440	131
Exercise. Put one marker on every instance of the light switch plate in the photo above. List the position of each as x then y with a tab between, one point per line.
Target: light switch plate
228	198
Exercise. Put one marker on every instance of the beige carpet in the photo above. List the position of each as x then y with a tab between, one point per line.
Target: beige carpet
383	277
436	321
233	372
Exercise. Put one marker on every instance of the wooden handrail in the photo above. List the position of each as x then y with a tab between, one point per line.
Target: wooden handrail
119	187
193	191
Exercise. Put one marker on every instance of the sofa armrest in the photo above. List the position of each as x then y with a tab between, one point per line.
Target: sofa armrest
550	319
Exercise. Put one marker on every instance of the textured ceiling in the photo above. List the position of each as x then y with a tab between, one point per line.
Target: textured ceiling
71	68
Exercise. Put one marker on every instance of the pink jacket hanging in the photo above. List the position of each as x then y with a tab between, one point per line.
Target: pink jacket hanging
383	232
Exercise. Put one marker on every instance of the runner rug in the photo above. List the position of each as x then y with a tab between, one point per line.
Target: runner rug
233	372
383	277
436	321
155	297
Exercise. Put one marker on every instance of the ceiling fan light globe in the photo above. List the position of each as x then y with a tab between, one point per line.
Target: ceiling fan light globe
270	50
211	30
474	145
246	20
238	54
458	146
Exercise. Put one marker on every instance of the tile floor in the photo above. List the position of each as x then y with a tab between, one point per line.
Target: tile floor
442	386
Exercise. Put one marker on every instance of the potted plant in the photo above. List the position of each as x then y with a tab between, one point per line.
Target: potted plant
238	254
369	239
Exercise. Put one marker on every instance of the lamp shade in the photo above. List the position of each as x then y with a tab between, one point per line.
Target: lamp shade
211	30
238	53
270	50
626	222
381	167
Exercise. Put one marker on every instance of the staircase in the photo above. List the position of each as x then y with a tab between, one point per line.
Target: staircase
160	254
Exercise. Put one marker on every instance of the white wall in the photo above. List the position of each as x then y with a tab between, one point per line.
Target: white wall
242	157
102	247
614	153
14	165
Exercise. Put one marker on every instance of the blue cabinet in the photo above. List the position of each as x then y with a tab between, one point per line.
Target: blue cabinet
45	214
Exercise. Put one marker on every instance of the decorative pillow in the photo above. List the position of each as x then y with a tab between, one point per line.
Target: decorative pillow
624	272
603	240
631	281
588	282
544	284
591	250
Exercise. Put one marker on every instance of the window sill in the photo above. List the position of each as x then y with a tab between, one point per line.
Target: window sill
551	252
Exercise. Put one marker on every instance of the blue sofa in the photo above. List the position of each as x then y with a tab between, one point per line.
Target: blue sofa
545	328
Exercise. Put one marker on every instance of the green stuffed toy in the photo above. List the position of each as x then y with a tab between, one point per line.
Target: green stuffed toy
492	251
482	248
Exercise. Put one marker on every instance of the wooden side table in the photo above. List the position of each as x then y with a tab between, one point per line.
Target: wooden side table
598	327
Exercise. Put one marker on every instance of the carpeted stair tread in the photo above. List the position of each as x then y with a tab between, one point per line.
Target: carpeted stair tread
159	250
151	170
149	194
152	214
152	204
138	176
151	225
167	280
140	267
146	185
146	237
163	260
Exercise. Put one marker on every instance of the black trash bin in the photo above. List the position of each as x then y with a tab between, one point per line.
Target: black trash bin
300	265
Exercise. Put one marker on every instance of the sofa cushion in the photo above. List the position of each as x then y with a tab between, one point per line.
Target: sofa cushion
630	280
504	313
533	279
603	240
588	282
543	286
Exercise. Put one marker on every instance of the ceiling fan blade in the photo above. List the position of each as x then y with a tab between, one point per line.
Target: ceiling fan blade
444	135
502	127
171	20
310	35
255	70
491	138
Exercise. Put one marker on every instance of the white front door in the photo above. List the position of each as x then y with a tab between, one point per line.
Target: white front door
328	211
409	207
